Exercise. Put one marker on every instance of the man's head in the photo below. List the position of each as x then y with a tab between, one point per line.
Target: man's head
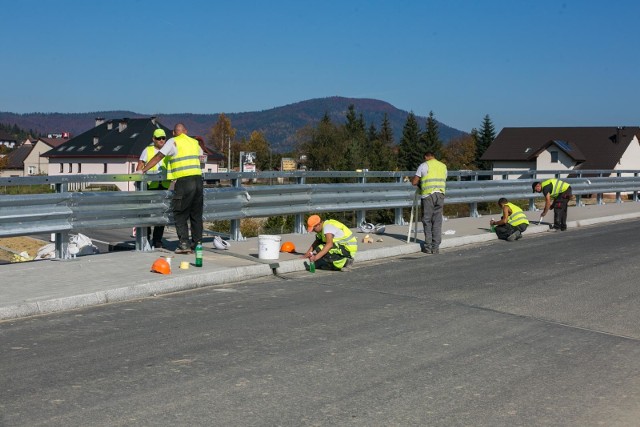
159	138
536	187
503	201
314	223
179	129
429	155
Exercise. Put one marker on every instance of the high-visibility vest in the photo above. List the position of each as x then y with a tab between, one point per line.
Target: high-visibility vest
517	217
186	162
160	167
435	179
348	240
558	186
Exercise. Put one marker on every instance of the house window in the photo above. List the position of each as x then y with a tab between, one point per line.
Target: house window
554	156
61	168
79	167
105	168
133	167
32	170
70	167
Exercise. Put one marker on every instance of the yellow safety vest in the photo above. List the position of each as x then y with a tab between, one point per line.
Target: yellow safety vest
349	241
435	179
517	217
186	162
160	167
558	186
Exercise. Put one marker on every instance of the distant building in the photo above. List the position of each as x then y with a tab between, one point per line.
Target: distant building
8	140
111	147
570	149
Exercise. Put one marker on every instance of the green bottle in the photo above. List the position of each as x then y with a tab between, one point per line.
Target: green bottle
199	255
312	267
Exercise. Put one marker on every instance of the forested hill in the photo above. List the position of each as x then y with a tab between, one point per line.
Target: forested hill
279	124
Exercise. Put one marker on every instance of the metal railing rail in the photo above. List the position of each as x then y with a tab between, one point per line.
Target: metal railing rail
65	212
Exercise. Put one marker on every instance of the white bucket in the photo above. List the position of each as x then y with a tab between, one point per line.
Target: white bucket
268	246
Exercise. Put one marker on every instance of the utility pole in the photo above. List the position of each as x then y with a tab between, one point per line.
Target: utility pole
229	158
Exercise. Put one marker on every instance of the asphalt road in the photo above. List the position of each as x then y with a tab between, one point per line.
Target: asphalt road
543	331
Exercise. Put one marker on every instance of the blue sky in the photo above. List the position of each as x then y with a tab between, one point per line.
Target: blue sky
525	63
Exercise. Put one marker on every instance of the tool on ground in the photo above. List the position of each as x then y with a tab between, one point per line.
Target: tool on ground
161	266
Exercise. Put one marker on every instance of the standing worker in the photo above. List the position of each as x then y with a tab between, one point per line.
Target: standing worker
513	222
335	244
431	179
183	166
561	193
159	138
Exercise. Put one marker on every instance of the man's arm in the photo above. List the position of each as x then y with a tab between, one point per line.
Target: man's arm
140	165
505	216
415	180
151	163
327	247
547	204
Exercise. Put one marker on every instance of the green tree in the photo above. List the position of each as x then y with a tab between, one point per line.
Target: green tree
259	144
484	138
381	150
460	153
322	145
221	136
410	154
355	139
430	139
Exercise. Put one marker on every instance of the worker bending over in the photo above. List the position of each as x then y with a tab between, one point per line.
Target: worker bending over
513	222
334	246
561	193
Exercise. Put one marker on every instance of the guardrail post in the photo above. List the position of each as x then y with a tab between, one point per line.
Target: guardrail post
473	206
397	212
235	233
61	239
599	196
361	215
298	226
142	233
635	193
618	193
578	196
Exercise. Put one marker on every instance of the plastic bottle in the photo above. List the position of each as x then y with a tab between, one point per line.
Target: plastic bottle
493	227
199	255
312	267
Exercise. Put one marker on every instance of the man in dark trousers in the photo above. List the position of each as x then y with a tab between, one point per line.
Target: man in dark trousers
561	193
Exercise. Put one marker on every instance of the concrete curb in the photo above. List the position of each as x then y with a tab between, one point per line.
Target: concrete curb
237	274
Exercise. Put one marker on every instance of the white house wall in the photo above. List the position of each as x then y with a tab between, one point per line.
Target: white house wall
510	166
33	163
630	160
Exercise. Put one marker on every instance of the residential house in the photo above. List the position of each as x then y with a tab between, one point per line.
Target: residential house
14	165
111	147
8	140
565	149
35	163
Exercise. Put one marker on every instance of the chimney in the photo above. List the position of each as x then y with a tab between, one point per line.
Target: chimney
122	125
99	121
95	140
110	125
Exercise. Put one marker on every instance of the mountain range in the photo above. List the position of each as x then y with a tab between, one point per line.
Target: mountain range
279	124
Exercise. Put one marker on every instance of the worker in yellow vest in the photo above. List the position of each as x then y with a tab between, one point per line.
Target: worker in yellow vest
183	165
513	222
335	244
561	193
431	179
159	139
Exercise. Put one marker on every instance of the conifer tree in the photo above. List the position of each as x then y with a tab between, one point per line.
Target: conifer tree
410	154
430	139
484	138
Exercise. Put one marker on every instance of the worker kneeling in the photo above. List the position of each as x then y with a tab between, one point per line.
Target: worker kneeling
513	222
334	246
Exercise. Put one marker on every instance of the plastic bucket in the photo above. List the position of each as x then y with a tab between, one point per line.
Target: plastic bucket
268	246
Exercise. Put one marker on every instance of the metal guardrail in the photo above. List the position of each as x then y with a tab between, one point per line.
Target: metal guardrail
64	212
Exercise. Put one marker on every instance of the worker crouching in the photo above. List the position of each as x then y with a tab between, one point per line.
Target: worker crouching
334	246
513	222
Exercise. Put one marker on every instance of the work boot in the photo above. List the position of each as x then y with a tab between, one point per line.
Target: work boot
425	249
518	235
513	236
183	249
348	264
435	250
